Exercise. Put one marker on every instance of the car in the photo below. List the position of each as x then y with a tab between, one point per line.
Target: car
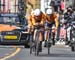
12	30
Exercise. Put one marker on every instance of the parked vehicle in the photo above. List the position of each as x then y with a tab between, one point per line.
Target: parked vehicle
13	23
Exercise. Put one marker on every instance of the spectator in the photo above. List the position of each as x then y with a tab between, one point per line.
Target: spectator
62	6
68	15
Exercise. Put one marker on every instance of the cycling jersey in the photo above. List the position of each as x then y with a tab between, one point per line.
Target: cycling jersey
33	19
52	19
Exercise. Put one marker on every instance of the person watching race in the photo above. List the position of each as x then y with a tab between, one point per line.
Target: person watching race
51	19
37	19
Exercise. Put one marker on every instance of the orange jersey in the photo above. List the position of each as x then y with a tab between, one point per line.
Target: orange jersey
33	19
30	20
51	19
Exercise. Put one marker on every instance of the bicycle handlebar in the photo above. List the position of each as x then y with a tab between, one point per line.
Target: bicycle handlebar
43	29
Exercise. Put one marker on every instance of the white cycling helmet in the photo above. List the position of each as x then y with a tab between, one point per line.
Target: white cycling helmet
37	12
49	11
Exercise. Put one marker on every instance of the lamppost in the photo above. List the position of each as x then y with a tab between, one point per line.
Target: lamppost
43	6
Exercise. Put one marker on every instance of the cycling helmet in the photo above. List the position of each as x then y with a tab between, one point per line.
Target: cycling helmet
49	11
37	12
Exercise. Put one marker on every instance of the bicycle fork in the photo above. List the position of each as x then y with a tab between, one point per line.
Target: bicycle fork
49	42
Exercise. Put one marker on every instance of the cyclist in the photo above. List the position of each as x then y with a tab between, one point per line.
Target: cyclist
51	19
38	19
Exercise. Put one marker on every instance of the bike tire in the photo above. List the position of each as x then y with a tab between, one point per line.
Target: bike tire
37	45
31	44
31	47
49	42
48	48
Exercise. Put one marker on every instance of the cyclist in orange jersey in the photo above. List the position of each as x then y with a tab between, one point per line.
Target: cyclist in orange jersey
37	19
51	19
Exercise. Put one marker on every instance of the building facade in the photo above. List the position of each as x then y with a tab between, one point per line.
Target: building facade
9	6
69	3
31	5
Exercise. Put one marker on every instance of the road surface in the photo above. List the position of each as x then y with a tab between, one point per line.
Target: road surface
58	52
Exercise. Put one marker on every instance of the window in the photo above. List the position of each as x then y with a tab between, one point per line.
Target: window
9	20
37	4
9	6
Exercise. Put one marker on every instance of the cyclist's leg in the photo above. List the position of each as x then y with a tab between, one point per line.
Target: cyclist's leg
41	34
53	39
47	26
34	35
46	34
53	34
46	38
41	38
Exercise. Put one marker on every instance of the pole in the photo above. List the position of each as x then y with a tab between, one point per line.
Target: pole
4	8
43	6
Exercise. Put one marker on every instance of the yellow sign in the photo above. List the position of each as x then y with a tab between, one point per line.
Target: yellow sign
10	37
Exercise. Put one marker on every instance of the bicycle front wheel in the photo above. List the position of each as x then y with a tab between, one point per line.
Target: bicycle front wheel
31	44
49	42
37	44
